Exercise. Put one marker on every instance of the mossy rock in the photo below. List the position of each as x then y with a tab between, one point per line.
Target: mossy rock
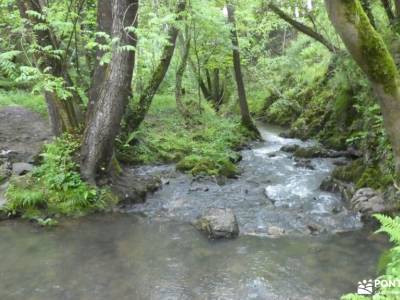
310	152
207	166
349	173
187	163
228	169
373	177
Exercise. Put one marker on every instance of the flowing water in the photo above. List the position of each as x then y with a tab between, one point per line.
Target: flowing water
152	251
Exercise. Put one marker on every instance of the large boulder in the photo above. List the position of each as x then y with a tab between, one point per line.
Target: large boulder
368	202
218	223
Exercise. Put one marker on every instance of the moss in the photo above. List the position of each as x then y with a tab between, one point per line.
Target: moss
380	66
187	164
336	141
374	178
349	173
228	169
205	143
206	166
309	152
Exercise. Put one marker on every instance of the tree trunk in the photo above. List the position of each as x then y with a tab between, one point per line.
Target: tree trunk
367	8
137	115
387	5
370	52
65	115
113	95
104	24
244	109
179	73
302	28
206	93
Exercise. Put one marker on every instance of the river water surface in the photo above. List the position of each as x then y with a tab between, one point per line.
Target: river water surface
152	252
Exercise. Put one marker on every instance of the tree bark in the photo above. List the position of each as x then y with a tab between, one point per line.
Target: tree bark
244	109
367	8
113	96
104	24
180	72
370	52
64	115
302	28
137	115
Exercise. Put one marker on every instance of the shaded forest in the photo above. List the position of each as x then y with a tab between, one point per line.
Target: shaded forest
189	84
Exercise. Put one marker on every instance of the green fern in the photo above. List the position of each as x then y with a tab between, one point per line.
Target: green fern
391	226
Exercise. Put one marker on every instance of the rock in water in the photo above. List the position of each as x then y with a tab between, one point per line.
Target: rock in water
275	231
21	168
219	223
368	202
290	148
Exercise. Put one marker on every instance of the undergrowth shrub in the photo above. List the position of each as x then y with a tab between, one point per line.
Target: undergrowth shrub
55	188
205	143
22	98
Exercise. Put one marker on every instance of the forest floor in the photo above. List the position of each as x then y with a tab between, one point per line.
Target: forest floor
23	132
22	135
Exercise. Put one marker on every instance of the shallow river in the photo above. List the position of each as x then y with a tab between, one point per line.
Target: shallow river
152	252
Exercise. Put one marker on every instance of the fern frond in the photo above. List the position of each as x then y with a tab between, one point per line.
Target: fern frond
390	226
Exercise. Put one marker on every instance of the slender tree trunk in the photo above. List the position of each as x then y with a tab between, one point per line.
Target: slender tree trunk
302	28
137	115
244	109
206	93
370	52
397	5
180	72
65	115
387	5
113	95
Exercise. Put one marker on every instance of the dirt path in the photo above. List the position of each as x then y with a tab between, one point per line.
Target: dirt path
22	134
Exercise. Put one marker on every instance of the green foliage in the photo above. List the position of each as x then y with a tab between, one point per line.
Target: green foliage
55	187
381	66
390	226
203	144
24	99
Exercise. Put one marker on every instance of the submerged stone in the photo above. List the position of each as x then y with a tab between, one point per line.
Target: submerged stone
218	223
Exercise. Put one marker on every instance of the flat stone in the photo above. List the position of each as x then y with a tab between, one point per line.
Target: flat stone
218	223
276	231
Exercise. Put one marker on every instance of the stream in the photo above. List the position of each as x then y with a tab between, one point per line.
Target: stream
151	251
